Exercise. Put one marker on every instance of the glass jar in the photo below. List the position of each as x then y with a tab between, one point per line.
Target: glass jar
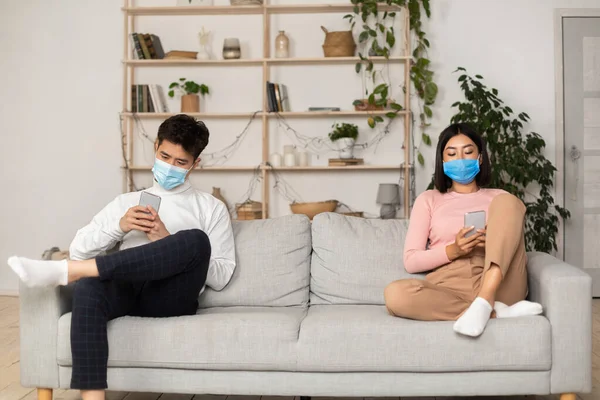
282	45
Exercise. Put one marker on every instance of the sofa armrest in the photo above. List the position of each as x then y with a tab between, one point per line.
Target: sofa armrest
565	292
40	309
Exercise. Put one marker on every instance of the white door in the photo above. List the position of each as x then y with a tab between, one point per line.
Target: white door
581	83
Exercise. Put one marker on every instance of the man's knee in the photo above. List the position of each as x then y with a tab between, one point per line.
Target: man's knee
199	243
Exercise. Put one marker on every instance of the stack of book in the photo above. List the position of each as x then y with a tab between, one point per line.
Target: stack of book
277	97
146	46
148	98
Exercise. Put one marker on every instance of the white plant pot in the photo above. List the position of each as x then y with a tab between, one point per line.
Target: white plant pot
346	147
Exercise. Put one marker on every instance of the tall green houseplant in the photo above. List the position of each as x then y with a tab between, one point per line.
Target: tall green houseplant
518	162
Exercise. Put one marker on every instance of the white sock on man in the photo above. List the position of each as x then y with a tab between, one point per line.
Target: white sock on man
39	273
522	308
473	321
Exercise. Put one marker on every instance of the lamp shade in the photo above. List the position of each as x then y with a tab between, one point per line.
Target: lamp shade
388	193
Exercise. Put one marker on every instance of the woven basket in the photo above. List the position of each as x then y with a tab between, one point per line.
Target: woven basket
338	44
245	2
312	209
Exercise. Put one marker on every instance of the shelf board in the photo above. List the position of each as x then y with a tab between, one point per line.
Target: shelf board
331	114
339	168
244	115
245	10
198	10
179	62
319	8
334	60
259	61
290	169
216	168
149	115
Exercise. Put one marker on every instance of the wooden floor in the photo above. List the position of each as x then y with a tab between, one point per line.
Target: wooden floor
10	389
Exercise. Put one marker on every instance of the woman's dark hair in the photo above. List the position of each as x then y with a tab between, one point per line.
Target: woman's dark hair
186	131
441	181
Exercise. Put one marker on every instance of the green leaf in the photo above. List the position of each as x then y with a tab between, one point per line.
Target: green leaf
348	16
391	115
357	67
396	106
426	139
371	122
378	119
363	36
174	84
421	159
371	98
390	39
478	76
372	33
182	79
171	93
428	111
380	88
393	14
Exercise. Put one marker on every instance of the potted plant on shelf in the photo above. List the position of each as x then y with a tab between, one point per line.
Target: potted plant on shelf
345	136
190	101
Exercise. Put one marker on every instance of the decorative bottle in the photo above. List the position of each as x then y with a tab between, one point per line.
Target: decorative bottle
282	45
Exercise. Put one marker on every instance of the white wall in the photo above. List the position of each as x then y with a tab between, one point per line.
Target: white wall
60	79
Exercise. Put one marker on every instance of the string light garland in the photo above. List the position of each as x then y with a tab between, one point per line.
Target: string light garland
317	145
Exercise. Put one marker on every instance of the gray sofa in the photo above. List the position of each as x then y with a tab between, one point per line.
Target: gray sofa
303	315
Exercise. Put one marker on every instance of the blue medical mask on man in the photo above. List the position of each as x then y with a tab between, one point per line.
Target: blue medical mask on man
463	170
169	176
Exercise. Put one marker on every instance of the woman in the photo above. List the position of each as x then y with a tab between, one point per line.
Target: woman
471	276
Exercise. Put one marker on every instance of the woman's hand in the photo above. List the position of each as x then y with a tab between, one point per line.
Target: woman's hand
462	245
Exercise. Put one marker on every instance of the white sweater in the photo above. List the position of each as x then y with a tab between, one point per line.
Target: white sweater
181	208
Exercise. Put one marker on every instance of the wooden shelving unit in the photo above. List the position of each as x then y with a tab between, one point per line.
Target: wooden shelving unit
266	62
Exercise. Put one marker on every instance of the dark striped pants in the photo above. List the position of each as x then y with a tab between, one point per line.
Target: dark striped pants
160	279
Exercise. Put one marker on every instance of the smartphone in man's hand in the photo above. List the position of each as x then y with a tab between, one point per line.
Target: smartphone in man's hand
149	199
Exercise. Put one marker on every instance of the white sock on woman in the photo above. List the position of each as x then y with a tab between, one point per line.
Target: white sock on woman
473	321
522	308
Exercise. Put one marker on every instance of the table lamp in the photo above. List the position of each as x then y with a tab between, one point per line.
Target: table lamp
388	196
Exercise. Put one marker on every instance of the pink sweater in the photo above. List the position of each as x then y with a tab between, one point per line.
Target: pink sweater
438	217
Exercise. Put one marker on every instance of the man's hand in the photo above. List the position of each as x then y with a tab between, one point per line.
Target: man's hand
158	230
137	218
462	245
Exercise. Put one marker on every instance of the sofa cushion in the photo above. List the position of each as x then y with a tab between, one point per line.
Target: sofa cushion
366	338
354	259
233	338
273	264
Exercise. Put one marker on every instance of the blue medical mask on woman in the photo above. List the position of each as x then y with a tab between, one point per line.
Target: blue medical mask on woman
463	170
168	176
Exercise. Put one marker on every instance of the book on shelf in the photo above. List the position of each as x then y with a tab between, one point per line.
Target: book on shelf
277	97
148	98
146	46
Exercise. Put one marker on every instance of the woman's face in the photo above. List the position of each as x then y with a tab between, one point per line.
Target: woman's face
459	147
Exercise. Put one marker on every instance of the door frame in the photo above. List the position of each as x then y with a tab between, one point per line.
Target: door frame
559	15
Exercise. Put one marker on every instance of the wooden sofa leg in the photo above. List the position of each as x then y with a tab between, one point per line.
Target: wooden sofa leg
44	394
568	396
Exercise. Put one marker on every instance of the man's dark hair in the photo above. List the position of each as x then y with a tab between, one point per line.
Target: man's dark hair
441	181
186	131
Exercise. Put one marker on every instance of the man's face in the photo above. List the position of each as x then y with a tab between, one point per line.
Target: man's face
174	154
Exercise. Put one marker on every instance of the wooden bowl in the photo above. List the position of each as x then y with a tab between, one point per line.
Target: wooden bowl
314	208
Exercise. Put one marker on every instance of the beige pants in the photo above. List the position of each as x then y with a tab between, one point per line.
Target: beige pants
450	289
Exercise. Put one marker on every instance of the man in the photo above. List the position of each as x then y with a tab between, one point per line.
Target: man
165	260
